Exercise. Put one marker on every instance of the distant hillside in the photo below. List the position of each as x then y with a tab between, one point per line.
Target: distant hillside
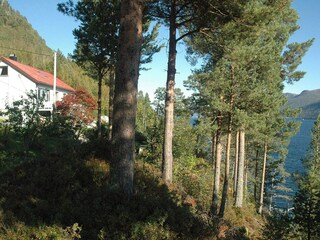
308	101
18	37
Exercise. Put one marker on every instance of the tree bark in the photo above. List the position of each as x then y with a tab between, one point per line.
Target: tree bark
111	99
240	179
265	150
125	98
217	169
224	199
245	182
235	170
99	103
167	157
255	191
225	190
213	149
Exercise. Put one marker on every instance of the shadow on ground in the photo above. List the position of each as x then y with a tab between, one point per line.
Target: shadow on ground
64	189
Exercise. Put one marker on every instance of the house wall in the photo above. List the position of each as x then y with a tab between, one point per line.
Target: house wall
60	93
13	86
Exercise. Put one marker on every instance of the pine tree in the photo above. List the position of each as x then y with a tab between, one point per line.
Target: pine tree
307	200
184	18
241	78
97	43
97	37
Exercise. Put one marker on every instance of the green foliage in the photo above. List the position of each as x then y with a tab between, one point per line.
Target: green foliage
150	126
194	174
279	226
304	222
65	186
306	208
153	229
307	200
21	232
62	190
240	83
25	120
28	133
146	116
292	58
185	139
97	36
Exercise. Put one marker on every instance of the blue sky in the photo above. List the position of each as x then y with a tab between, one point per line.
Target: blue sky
56	30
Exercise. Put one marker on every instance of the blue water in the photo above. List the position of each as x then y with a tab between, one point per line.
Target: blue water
297	150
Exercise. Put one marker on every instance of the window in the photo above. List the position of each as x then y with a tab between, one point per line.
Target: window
3	70
44	93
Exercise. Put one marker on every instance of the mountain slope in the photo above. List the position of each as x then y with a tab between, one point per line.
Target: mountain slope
307	101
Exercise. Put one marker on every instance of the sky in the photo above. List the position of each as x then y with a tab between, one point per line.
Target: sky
56	30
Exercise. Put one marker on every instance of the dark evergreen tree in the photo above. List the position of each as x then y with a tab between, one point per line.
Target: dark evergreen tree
307	200
184	18
97	39
241	80
97	42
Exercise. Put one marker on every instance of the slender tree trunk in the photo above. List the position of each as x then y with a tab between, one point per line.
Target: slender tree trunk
125	97
271	195
245	182
240	179
111	98
265	150
224	199
99	103
213	149
255	191
235	170
217	170
167	158
225	190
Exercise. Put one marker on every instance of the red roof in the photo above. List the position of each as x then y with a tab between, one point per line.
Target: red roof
36	75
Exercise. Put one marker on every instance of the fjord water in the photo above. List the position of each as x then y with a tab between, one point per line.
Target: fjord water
297	150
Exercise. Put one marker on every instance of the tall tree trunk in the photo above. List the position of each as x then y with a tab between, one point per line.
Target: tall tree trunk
125	97
235	167
225	190
271	195
224	199
217	169
245	182
265	150
255	191
99	103
111	99
240	179
167	158
213	148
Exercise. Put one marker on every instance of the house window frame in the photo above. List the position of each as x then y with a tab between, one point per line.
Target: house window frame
45	93
4	71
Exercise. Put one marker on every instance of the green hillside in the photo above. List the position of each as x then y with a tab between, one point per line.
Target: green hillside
307	101
18	37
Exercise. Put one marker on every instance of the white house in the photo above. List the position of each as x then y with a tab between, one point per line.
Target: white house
16	79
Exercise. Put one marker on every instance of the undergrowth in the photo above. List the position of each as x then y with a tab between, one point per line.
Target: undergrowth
66	195
45	198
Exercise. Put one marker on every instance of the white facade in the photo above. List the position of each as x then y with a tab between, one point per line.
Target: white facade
14	86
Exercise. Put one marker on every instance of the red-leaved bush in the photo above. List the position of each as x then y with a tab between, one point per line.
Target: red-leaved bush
79	106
